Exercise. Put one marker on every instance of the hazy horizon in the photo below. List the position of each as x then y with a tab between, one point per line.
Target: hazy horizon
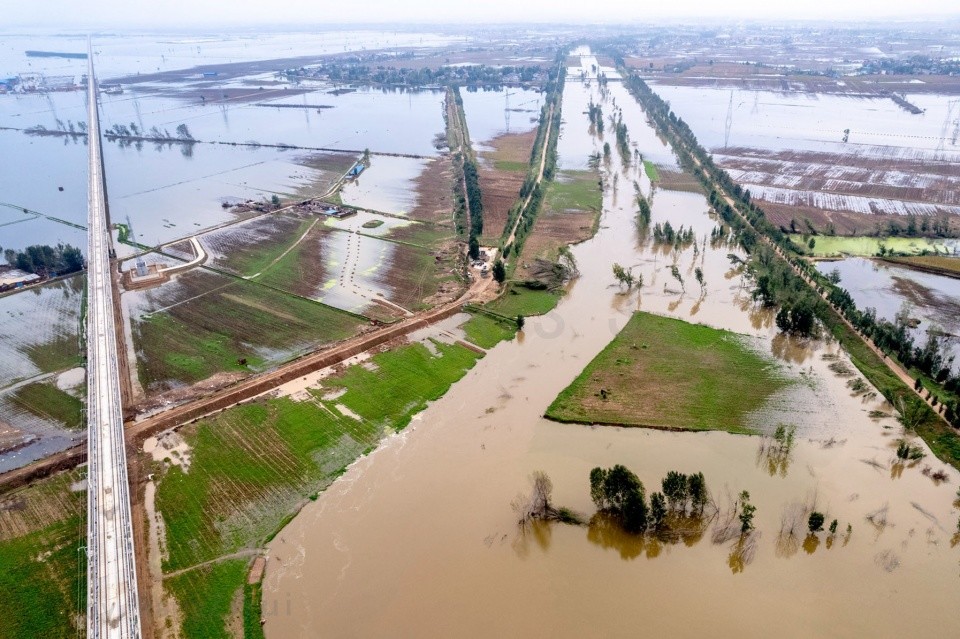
173	14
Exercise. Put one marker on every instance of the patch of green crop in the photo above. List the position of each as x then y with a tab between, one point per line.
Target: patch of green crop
250	259
42	581
521	300
45	400
487	332
400	387
252	611
205	595
215	328
666	373
575	190
253	466
651	170
42	563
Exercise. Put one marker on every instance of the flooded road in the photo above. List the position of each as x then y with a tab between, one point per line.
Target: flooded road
418	538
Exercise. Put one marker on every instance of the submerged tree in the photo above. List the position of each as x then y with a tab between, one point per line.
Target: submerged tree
747	511
698	273
815	521
537	504
675	272
675	490
643	213
658	509
623	275
697	489
619	492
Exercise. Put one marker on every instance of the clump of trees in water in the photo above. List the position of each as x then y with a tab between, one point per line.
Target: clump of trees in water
595	113
643	208
619	494
623	138
682	510
677	238
45	260
152	134
909	452
802	523
626	277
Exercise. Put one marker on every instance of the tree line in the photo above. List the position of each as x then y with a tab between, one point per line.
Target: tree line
550	113
351	72
45	260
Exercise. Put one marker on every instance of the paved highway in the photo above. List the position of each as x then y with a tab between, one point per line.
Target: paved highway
112	603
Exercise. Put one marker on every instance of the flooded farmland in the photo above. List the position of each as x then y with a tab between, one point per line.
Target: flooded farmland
853	163
173	188
418	539
932	300
39	351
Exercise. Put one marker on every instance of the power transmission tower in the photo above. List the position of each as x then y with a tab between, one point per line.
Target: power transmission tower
506	108
946	126
726	134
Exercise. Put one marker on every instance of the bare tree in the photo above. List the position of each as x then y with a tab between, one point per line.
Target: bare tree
535	505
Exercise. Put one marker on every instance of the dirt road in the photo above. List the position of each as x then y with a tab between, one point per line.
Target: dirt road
543	163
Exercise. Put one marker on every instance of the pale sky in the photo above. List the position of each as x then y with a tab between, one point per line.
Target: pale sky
190	14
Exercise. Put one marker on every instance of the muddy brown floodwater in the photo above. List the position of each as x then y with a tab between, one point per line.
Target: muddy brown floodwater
418	539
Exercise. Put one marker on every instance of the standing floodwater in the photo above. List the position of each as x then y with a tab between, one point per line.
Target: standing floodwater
418	539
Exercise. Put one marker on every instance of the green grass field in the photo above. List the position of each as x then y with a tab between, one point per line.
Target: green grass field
423	234
574	190
43	574
401	385
47	401
487	332
252	611
205	596
651	170
666	373
836	245
520	300
255	465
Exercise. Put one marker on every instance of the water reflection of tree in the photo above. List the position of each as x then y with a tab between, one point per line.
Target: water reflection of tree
605	531
790	348
810	543
793	526
536	534
774	452
743	551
